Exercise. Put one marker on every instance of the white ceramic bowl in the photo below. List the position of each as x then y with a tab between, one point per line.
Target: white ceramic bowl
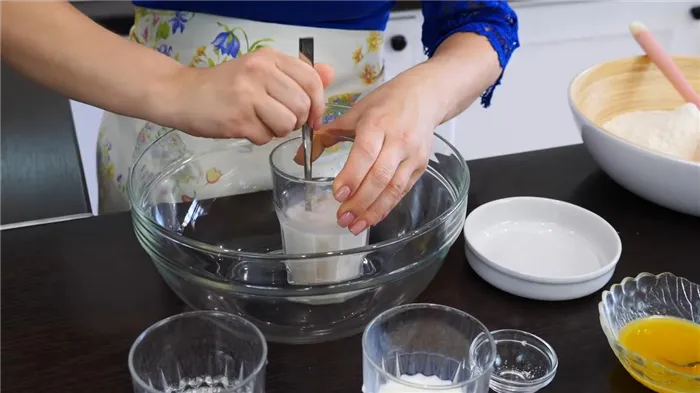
541	248
600	93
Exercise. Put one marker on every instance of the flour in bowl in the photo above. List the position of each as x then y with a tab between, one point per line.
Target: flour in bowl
675	133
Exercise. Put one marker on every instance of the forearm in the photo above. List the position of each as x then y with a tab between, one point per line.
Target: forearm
56	45
462	68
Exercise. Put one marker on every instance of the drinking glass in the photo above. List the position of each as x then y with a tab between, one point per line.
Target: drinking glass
199	351
307	210
426	348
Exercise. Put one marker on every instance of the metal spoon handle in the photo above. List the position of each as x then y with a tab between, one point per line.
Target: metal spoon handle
306	52
306	49
307	136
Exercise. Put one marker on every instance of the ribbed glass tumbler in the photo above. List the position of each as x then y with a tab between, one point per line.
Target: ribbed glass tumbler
197	352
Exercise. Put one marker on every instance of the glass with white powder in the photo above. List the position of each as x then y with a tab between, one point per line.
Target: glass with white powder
426	348
315	230
199	352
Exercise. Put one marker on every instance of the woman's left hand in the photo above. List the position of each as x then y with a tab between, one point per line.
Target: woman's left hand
393	129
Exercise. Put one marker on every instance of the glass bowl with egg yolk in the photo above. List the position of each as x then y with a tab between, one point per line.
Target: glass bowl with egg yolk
652	323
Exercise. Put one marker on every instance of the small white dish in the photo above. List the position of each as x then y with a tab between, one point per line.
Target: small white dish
541	248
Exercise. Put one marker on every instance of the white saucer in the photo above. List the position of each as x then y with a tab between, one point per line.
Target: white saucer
541	248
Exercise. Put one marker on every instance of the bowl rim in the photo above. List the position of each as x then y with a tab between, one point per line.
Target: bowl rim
433	306
260	366
643	150
460	199
326	181
610	265
608	331
535	341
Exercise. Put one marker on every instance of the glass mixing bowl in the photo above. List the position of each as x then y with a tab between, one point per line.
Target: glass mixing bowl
203	210
653	296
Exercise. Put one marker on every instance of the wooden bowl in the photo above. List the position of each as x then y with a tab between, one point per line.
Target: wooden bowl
606	90
632	84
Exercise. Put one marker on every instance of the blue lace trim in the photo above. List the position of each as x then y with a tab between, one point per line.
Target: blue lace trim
494	20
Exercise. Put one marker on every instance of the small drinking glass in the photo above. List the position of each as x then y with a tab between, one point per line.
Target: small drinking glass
426	348
306	209
199	351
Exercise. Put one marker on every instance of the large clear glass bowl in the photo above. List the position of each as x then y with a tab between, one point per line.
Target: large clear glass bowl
203	211
645	296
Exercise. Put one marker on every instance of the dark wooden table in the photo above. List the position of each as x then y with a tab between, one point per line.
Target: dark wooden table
76	294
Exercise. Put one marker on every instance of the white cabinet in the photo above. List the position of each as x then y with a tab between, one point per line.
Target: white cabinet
558	40
87	120
402	42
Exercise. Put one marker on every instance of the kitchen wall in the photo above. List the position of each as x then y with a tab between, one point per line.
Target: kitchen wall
530	110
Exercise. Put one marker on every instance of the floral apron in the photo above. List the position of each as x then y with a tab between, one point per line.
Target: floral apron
203	40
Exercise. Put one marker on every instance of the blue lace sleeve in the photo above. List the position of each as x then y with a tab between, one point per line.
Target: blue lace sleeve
494	20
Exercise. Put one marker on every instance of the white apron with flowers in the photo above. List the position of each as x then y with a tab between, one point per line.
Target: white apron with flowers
203	40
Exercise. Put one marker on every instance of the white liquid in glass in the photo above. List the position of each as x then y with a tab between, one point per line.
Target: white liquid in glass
317	231
418	379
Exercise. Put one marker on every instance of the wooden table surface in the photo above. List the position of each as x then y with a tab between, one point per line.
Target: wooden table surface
76	294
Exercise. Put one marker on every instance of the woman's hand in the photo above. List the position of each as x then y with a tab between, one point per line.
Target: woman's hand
258	96
393	129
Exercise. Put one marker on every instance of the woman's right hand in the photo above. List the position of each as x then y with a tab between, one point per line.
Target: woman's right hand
259	96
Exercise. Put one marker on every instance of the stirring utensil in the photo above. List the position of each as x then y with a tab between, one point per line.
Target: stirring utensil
306	52
663	61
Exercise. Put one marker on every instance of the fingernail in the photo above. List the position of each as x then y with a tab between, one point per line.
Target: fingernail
346	219
316	124
342	194
358	227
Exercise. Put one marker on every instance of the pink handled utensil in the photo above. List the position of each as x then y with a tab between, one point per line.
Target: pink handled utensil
658	55
663	61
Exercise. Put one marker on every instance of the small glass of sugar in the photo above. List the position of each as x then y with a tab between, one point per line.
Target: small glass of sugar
426	348
307	211
199	351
